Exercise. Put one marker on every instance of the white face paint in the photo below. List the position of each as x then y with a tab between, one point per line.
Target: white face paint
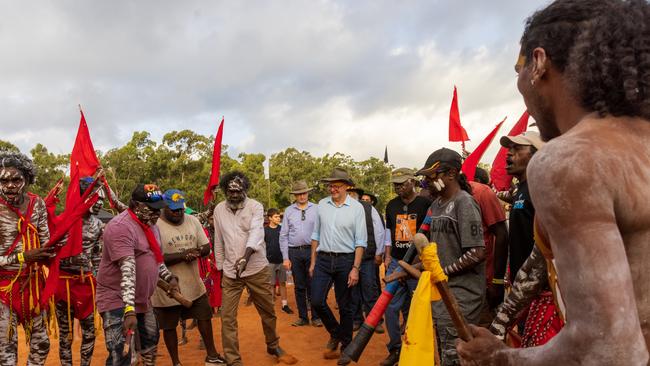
439	184
12	185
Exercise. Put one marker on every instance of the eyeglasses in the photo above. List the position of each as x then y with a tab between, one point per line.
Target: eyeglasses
303	215
336	187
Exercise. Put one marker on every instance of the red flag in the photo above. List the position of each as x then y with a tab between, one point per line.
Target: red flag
216	164
471	162
83	153
72	199
456	130
498	175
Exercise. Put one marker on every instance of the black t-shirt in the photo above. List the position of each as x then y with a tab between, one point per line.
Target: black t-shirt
520	240
404	222
272	240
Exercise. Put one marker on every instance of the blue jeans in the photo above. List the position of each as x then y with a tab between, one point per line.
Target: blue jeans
300	261
401	301
146	331
367	292
328	270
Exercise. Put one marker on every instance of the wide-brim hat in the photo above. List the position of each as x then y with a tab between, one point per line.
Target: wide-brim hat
358	191
528	138
339	175
300	187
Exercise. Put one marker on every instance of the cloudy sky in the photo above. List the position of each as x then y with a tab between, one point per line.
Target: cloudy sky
321	76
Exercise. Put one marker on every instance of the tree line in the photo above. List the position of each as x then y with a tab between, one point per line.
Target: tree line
183	160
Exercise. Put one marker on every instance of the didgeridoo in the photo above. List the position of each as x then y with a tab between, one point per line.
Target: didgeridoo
175	294
354	350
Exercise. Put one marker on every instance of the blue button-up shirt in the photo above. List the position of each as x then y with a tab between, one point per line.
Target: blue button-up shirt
295	231
340	229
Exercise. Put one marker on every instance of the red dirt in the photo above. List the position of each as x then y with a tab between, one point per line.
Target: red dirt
305	343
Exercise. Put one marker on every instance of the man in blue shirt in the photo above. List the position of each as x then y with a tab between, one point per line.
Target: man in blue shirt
339	239
295	244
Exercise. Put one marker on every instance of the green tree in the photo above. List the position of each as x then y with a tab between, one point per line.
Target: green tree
50	168
8	146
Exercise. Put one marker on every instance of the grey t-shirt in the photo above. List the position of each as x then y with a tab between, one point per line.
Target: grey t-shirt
456	227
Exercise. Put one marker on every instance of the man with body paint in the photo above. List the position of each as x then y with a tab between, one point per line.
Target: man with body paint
583	72
131	265
75	295
24	235
241	255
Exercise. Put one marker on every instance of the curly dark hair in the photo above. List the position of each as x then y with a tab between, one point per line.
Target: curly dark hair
21	162
609	66
226	179
556	28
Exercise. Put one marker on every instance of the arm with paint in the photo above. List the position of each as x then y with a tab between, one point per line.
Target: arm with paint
529	282
471	238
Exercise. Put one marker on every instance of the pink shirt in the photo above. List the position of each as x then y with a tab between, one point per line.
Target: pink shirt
124	237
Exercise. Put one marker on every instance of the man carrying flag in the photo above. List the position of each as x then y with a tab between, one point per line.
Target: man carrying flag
23	237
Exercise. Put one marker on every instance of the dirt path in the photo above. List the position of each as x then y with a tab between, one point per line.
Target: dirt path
306	343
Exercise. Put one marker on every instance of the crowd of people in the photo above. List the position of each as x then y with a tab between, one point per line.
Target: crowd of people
555	266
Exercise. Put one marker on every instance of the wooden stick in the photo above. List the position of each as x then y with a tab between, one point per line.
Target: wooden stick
176	295
454	311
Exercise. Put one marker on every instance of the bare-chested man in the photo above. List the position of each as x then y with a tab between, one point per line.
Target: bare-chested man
584	74
23	237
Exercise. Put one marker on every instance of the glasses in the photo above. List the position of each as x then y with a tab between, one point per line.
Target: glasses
303	215
336	187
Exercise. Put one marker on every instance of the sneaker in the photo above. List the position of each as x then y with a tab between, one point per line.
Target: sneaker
317	323
391	360
216	360
287	309
380	329
300	323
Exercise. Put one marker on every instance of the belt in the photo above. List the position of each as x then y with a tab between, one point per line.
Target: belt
308	246
335	254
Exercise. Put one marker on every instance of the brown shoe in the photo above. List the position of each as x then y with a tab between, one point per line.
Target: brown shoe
331	355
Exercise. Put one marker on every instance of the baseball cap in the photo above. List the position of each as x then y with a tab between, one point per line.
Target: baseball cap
150	195
528	138
441	157
175	199
401	175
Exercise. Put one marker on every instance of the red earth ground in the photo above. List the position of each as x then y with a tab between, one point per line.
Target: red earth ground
305	343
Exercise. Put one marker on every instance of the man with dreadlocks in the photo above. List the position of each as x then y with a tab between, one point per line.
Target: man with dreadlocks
454	222
23	237
241	254
584	73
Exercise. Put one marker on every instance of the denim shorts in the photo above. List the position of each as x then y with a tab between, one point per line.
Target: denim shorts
146	335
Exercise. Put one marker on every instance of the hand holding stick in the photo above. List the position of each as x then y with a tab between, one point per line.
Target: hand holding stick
448	298
174	294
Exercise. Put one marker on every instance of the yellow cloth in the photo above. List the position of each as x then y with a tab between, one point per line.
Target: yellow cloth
418	347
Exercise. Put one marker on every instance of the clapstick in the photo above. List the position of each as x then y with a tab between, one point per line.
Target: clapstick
175	294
